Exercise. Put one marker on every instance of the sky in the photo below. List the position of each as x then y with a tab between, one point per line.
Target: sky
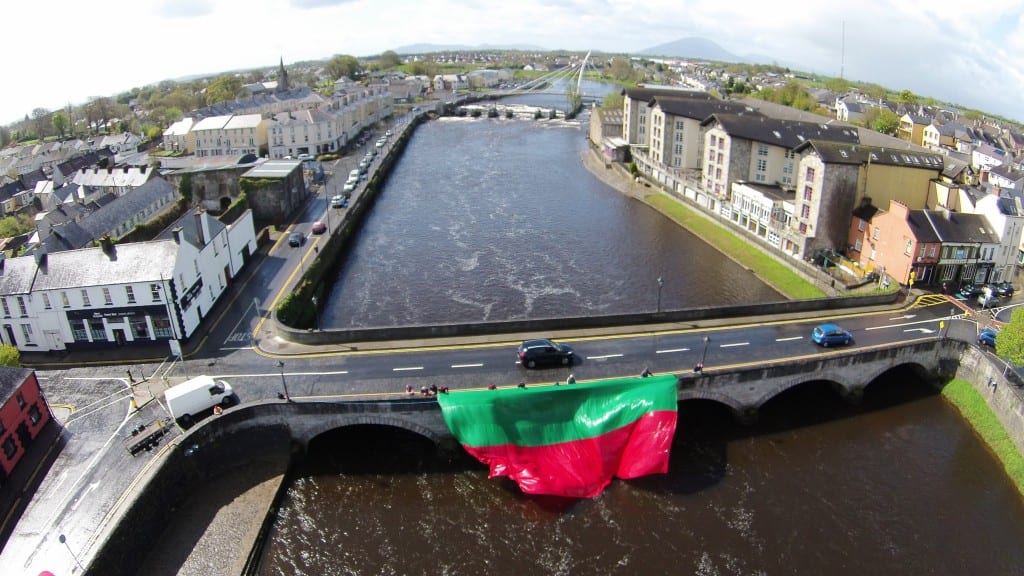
62	52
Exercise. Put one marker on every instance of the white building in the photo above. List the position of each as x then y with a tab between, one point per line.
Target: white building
179	137
1004	214
141	292
230	135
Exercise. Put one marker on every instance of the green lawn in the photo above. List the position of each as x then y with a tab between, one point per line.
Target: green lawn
974	409
779	276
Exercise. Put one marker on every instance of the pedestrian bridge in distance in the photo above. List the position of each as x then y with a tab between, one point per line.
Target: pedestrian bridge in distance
743	389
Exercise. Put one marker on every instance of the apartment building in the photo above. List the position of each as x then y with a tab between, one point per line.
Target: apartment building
231	135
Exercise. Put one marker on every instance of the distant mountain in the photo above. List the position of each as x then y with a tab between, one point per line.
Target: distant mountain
696	48
426	48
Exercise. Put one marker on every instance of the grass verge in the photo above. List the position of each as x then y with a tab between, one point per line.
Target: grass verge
779	276
976	411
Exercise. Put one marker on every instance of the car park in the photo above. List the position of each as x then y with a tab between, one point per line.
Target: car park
987	337
318	227
533	353
296	239
830	334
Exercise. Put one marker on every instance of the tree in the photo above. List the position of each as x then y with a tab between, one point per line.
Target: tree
620	69
41	122
10	356
613	101
882	120
1010	343
5	136
11	226
225	88
907	97
343	65
837	85
60	123
389	59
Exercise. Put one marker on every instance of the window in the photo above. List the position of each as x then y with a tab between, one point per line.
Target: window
805	212
762	150
107	299
906	251
874	234
154	290
21	400
10	449
808	192
7	309
872	255
64	299
130	293
195	264
21	306
26	331
809	175
139	328
46	300
861	225
858	244
712	141
85	298
762	165
34	415
931	253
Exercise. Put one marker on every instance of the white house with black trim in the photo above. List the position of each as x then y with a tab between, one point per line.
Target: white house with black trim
117	295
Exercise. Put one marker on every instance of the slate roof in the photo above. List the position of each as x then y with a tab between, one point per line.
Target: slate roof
273	169
123	208
697	108
190	230
648	94
66	236
127	263
125	177
16	275
956	228
11	380
302	117
786	133
841	153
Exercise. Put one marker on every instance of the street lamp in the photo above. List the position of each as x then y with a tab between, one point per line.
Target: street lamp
63	540
952	311
699	368
660	284
316	312
287	396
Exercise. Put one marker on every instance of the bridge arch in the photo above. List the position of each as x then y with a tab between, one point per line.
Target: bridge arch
737	408
322	426
834	379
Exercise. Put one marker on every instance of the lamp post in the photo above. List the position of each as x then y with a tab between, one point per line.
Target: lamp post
660	284
699	368
952	311
63	540
287	396
316	312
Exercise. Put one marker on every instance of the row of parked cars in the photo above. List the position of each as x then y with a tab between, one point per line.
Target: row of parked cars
986	295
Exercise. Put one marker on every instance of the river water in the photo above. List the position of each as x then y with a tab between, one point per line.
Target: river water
483	220
896	486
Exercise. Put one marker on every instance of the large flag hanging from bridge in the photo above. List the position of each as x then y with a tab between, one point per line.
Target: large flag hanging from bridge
568	440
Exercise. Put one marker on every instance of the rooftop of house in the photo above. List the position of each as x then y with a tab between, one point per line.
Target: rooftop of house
121	264
11	380
843	153
785	133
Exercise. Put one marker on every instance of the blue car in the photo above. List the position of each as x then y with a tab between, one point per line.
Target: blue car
830	334
987	337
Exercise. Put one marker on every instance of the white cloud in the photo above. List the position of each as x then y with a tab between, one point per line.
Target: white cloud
970	53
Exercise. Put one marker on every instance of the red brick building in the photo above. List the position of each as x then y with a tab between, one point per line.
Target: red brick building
23	415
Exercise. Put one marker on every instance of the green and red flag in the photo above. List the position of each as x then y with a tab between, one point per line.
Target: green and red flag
568	440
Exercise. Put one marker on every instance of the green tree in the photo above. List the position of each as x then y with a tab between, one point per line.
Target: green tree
185	187
41	122
11	226
389	59
60	123
613	101
10	356
621	69
882	120
907	97
5	136
1010	343
343	65
225	88
837	85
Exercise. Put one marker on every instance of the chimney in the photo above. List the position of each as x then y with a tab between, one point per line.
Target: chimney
107	244
201	233
41	256
177	234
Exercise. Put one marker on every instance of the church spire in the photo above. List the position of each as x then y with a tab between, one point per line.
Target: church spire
282	77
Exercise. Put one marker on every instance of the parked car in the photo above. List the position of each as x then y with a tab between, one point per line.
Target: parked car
318	227
338	201
1004	289
296	239
381	143
830	334
533	353
305	157
987	337
989	299
969	291
350	186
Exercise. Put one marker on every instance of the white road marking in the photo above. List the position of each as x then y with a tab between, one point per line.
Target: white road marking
407	368
672	350
791	338
467	365
904	317
922	330
605	356
81	498
733	345
904	324
237	348
278	374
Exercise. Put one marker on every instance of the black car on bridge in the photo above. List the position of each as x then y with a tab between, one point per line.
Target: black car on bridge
533	353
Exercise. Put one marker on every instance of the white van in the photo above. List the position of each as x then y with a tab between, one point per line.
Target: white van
188	399
354	174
